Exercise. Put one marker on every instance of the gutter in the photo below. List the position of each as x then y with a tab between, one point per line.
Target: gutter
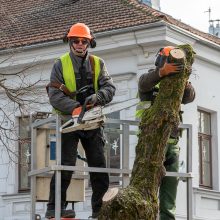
28	47
130	29
194	36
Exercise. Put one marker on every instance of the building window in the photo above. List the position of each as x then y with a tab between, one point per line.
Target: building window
205	148
113	150
24	154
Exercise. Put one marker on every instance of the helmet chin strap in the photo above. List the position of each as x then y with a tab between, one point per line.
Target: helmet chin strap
80	53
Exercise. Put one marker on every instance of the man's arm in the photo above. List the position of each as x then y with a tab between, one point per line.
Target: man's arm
148	80
106	87
147	83
58	99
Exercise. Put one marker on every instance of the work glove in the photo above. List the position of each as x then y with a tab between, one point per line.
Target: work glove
170	68
76	111
92	99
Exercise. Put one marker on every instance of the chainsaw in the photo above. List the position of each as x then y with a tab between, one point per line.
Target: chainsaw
95	116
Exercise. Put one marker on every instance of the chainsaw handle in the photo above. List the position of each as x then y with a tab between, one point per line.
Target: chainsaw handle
82	113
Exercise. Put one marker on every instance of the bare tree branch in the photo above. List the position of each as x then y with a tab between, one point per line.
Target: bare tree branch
18	91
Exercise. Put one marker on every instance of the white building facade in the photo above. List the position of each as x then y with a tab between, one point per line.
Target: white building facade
128	54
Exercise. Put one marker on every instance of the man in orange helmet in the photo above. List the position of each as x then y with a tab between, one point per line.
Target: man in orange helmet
79	77
148	88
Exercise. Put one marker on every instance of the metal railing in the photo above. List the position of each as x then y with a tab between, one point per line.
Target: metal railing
54	122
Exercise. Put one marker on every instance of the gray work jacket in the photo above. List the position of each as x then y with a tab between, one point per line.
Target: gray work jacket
62	102
148	80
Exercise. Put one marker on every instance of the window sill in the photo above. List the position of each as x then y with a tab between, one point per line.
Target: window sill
207	192
16	197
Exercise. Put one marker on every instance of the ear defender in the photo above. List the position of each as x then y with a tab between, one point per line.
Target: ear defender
92	41
158	57
65	38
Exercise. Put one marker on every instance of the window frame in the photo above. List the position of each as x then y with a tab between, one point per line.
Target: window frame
31	118
205	137
28	141
113	161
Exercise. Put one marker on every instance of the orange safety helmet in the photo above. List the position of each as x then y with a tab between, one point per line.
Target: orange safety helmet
79	30
166	50
162	54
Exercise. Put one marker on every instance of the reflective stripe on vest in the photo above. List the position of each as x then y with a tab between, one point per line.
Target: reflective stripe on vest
173	141
142	105
97	72
68	72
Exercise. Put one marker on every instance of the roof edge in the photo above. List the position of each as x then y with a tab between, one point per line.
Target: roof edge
98	34
128	29
120	31
194	36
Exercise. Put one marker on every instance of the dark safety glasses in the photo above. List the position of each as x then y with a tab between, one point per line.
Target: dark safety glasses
78	40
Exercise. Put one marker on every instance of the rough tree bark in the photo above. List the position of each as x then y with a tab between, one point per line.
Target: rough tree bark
139	200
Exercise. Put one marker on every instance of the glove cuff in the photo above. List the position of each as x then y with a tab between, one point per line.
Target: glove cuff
99	99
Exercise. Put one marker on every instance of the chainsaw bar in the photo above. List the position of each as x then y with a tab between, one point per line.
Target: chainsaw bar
95	117
87	125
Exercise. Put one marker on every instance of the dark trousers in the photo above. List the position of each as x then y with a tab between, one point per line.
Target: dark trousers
168	187
93	144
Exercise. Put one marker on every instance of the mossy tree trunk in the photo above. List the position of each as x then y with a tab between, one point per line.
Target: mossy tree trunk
139	200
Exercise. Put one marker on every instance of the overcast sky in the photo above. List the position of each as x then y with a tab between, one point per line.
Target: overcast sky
192	12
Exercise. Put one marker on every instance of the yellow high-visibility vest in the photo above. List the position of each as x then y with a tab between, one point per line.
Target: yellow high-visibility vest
69	74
